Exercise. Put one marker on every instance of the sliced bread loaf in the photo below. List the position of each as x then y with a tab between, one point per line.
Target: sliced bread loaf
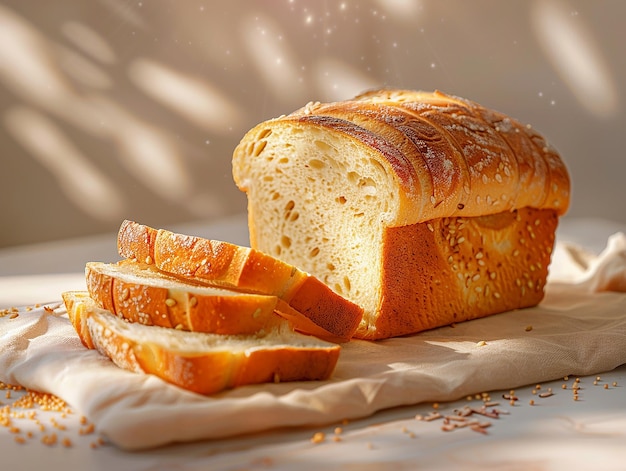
201	362
216	263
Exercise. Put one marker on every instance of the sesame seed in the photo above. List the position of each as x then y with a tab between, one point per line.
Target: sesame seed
170	302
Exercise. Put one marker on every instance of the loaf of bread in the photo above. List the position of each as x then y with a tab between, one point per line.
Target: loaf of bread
201	362
309	304
422	208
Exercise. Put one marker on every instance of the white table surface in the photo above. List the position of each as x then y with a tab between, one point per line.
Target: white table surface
555	432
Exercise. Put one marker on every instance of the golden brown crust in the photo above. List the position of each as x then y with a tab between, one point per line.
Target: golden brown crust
223	264
205	371
174	305
75	304
456	269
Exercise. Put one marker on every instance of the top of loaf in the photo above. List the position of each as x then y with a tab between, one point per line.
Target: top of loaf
449	156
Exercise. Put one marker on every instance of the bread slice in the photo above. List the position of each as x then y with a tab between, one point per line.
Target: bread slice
215	263
200	362
423	208
140	293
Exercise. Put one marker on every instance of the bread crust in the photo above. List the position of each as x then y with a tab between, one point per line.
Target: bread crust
215	263
456	269
226	364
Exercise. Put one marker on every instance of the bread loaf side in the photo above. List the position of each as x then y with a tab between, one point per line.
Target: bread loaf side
423	208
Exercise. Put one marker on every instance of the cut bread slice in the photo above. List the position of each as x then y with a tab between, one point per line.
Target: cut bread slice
201	362
220	263
140	293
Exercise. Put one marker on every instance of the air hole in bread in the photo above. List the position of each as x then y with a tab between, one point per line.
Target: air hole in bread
314	252
283	160
264	133
347	284
285	241
324	146
288	213
258	148
341	199
317	164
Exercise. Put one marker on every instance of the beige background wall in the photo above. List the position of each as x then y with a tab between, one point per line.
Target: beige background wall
114	109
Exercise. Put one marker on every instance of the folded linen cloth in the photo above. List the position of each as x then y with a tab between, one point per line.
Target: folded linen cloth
579	329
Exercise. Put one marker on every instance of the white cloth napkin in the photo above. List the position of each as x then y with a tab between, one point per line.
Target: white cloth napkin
579	329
